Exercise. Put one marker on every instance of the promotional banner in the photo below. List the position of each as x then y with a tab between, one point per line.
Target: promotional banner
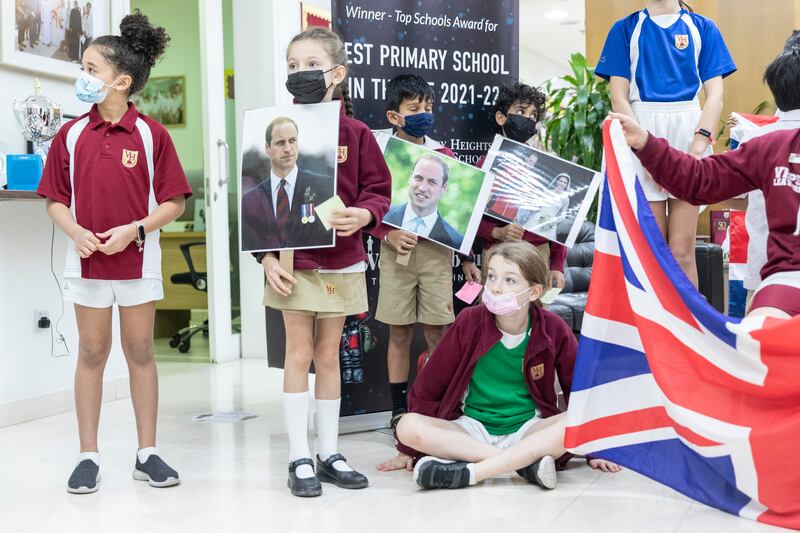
464	48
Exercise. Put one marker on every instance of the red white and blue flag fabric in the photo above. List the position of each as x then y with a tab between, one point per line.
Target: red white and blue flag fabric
736	246
666	386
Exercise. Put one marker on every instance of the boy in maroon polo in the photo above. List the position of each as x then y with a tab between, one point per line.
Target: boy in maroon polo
112	180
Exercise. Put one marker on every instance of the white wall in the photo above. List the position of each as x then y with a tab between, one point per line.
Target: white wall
27	370
535	69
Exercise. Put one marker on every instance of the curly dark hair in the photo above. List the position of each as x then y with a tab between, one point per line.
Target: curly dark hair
136	50
519	92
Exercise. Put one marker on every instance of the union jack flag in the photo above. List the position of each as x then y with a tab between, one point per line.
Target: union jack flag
666	386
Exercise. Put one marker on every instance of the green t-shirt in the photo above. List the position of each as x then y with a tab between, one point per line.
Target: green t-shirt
498	395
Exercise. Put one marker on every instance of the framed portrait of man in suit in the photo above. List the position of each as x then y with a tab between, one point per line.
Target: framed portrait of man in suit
537	190
288	167
434	196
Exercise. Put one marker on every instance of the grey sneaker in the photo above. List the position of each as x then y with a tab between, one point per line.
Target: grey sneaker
84	478
434	473
542	473
156	472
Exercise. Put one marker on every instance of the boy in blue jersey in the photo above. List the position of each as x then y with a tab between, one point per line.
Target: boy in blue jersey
658	60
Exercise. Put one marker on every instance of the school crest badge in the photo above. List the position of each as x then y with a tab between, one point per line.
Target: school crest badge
129	158
537	372
341	156
682	42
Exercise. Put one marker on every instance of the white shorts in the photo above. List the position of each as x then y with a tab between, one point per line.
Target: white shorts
478	432
674	121
101	293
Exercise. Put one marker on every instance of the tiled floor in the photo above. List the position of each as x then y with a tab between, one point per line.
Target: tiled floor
234	478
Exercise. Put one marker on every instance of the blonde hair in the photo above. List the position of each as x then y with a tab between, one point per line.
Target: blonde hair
335	47
522	253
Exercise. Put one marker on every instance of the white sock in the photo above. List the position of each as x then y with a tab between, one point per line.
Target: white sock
471	468
94	456
295	418
328	432
145	454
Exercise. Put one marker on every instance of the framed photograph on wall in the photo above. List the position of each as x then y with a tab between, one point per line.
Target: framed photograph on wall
47	37
312	16
164	100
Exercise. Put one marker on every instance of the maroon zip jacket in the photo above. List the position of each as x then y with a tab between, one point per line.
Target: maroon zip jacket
439	388
770	163
558	252
363	180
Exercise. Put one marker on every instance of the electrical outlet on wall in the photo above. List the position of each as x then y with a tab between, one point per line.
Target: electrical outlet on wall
41	320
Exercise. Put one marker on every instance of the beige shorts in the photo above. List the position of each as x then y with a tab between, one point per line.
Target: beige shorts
323	295
478	432
421	291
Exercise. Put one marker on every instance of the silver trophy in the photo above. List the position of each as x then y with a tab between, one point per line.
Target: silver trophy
38	118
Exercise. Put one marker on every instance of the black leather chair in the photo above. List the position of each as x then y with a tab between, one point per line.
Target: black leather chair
182	340
571	303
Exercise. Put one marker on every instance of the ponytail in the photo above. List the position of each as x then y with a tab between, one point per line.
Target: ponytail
344	91
686	6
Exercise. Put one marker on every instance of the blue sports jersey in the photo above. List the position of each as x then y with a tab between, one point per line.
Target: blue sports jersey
665	64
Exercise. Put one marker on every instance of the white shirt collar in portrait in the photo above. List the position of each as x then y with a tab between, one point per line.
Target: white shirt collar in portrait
275	183
409	215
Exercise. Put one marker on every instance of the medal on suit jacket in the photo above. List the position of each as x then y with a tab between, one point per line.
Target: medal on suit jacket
307	209
307	214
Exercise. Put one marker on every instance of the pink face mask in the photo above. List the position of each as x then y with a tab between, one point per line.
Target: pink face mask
502	305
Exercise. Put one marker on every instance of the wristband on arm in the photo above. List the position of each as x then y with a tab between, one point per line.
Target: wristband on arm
707	134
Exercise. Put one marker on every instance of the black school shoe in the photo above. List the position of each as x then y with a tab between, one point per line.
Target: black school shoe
156	472
303	487
84	478
542	473
344	480
433	473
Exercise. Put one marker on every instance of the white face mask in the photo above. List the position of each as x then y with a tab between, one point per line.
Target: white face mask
90	89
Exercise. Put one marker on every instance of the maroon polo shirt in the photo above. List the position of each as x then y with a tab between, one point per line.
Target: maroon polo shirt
110	175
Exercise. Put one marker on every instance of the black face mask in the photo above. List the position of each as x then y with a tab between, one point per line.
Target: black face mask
519	128
308	86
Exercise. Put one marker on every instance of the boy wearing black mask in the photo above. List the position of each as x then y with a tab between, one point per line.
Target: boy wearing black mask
420	291
516	113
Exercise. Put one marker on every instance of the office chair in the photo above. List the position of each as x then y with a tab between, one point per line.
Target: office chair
182	339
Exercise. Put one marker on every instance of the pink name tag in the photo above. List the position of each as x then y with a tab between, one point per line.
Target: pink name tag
469	292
